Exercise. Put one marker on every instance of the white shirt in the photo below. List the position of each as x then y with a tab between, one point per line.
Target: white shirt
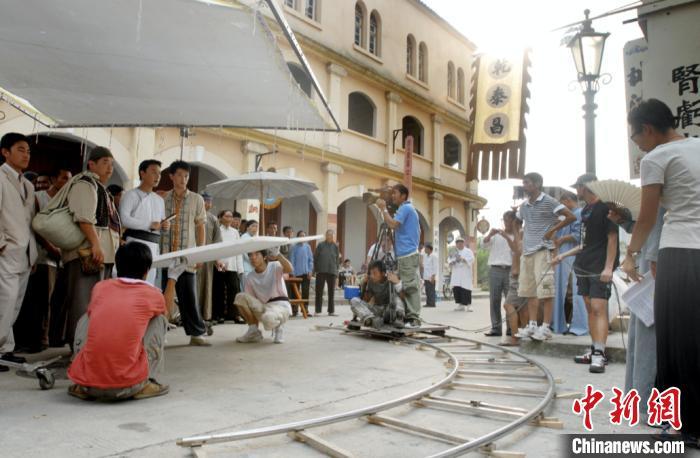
138	209
461	268
430	266
234	263
380	253
676	166
499	250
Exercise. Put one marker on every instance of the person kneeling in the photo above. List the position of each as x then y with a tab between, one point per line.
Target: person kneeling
265	296
120	341
375	309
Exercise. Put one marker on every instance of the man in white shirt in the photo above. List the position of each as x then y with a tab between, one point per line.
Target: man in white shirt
500	261
461	262
142	212
17	246
226	281
430	273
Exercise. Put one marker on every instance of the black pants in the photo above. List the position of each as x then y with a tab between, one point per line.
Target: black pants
29	326
59	313
224	290
305	283
429	293
462	296
321	280
186	290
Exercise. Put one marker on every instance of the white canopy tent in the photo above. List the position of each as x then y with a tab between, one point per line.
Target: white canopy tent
182	63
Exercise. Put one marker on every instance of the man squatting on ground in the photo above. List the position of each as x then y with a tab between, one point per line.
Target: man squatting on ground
264	297
120	341
374	308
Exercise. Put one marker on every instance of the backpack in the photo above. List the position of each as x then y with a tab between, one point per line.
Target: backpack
55	223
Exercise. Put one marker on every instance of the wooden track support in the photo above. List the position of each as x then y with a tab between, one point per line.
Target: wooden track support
319	444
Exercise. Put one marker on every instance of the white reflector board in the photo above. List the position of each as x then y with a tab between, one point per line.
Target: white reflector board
223	250
149	63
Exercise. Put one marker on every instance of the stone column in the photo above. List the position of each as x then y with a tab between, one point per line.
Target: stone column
437	147
392	101
336	73
328	217
435	199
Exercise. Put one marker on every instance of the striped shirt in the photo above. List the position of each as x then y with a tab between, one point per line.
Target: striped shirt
538	218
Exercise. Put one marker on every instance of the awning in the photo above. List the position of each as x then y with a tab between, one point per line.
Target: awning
184	63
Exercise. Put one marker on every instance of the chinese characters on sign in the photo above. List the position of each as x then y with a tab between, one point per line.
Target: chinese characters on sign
634	54
662	407
686	79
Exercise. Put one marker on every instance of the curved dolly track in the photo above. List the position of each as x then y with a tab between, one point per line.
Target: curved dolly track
454	364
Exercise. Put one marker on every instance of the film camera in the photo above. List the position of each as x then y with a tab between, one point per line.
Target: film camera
372	195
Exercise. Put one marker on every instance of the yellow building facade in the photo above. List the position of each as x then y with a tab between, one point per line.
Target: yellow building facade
383	65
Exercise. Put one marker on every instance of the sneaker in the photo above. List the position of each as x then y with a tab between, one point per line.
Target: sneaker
469	308
151	390
597	362
542	333
251	336
459	308
412	324
200	341
526	332
278	334
585	358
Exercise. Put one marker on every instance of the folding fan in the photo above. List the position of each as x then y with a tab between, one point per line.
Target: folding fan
623	197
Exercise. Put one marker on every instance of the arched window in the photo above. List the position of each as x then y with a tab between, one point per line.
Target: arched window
411	55
411	126
423	62
361	111
301	77
310	11
375	33
450	80
452	151
360	24
460	86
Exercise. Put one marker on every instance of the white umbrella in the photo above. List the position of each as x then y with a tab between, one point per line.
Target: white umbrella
260	185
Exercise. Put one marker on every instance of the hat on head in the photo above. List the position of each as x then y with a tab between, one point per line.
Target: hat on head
460	239
98	153
206	196
584	179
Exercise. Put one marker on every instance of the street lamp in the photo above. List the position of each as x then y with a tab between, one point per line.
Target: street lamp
587	50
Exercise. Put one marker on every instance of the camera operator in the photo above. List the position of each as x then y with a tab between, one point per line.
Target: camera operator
407	234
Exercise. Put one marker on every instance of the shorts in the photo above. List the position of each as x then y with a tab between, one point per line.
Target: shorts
512	298
592	287
536	275
462	296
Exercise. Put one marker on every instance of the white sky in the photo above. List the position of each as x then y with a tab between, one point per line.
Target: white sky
556	132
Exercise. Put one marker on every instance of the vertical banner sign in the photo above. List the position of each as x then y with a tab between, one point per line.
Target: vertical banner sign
498	105
672	64
408	164
635	53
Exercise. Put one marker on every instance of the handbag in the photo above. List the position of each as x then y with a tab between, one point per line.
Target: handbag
55	223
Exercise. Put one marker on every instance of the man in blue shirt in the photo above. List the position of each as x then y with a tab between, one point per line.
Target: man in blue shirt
406	239
302	259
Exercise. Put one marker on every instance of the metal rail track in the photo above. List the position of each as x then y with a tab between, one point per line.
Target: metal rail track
462	353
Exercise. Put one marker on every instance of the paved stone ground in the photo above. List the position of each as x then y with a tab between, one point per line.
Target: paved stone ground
232	386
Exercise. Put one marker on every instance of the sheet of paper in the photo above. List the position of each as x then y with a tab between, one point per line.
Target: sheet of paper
640	299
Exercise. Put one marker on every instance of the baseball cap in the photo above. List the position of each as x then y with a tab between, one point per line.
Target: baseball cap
583	179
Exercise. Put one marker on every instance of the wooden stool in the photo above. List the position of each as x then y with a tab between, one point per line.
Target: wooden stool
297	299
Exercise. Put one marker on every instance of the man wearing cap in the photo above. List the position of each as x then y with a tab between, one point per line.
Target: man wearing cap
205	276
142	212
540	214
595	262
94	212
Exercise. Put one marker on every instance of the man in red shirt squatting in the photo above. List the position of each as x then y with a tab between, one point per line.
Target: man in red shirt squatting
120	341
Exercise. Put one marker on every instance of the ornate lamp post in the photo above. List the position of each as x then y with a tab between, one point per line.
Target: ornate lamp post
587	50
